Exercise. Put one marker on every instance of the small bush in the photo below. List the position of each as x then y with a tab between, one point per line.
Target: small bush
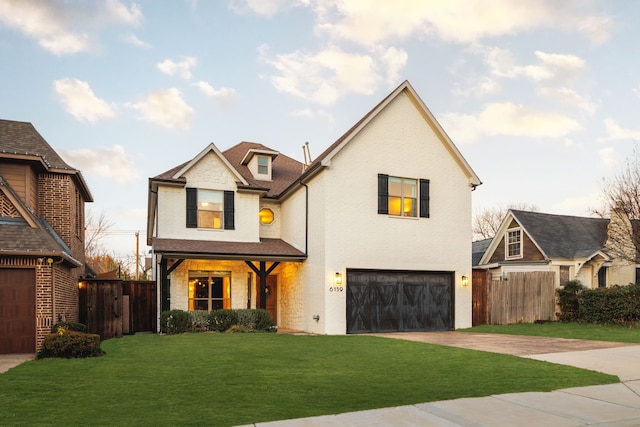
199	321
255	320
69	326
175	322
568	301
70	344
221	320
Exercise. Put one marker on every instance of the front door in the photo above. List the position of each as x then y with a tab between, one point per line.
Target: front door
272	297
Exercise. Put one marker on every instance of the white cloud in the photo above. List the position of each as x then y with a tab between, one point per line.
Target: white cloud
462	21
320	115
134	40
80	101
63	27
501	63
569	97
477	88
325	76
266	8
508	119
165	108
181	68
393	61
608	156
615	131
576	205
224	93
109	162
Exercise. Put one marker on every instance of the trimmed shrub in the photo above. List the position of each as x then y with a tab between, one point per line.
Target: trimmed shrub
70	344
199	321
69	326
255	320
221	320
568	301
175	322
614	305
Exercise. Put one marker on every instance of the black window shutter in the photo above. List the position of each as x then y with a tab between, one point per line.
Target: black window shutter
229	222
192	207
424	198
383	194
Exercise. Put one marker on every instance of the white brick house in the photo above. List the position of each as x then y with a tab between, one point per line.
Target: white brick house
373	235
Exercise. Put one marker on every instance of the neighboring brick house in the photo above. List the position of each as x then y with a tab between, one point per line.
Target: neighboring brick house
41	237
373	235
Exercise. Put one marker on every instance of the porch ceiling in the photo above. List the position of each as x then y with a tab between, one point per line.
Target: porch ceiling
264	250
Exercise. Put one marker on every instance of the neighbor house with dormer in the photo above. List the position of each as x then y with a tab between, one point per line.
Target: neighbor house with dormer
372	235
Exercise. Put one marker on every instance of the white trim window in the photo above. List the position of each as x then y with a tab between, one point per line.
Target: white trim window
513	243
263	165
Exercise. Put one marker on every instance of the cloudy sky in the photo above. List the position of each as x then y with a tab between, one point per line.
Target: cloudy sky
542	97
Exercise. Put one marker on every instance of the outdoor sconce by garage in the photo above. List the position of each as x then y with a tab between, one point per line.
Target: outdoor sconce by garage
464	281
338	279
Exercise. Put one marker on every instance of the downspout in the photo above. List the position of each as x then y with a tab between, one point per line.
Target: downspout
306	218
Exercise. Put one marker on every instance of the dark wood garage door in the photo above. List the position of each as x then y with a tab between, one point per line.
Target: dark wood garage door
399	301
17	310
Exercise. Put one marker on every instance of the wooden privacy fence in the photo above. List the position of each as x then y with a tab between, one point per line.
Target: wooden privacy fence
523	297
112	307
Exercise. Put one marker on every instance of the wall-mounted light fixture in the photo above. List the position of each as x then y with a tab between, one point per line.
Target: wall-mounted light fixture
464	281
338	279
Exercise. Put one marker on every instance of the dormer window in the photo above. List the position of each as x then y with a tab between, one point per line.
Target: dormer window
260	163
263	165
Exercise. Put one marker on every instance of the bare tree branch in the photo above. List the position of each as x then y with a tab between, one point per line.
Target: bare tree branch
486	222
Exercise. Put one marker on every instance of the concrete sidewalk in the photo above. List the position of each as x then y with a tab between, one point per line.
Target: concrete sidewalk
605	405
8	361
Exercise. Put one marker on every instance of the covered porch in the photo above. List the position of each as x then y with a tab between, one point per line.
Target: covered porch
210	275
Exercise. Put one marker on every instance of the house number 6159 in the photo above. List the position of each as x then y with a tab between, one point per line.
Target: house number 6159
336	289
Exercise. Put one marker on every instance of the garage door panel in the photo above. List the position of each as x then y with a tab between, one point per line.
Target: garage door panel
17	311
386	301
386	306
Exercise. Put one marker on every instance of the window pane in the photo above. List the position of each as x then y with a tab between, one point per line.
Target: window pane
210	200
266	216
395	186
209	219
395	204
409	188
263	165
201	288
409	207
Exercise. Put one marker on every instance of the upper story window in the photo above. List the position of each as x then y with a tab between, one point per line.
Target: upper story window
210	209
407	197
259	161
514	243
263	165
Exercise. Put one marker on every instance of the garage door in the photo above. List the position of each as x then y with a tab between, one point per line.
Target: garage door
17	310
399	301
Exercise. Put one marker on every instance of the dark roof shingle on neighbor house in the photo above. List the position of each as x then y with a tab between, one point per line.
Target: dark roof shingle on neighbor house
21	138
562	236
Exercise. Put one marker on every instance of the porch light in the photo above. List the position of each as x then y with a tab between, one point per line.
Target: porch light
464	281
338	279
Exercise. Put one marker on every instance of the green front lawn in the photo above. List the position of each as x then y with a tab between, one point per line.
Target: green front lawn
231	379
564	330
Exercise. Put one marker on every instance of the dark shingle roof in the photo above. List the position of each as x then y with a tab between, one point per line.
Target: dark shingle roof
562	236
478	248
23	139
284	172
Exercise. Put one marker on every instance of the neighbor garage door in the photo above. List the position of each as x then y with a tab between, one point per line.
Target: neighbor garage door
399	301
17	310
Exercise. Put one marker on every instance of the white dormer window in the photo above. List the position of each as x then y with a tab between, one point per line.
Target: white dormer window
263	164
513	244
260	163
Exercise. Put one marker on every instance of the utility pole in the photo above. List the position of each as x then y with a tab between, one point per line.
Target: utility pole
137	252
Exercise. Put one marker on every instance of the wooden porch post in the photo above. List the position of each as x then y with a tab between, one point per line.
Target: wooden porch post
262	274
